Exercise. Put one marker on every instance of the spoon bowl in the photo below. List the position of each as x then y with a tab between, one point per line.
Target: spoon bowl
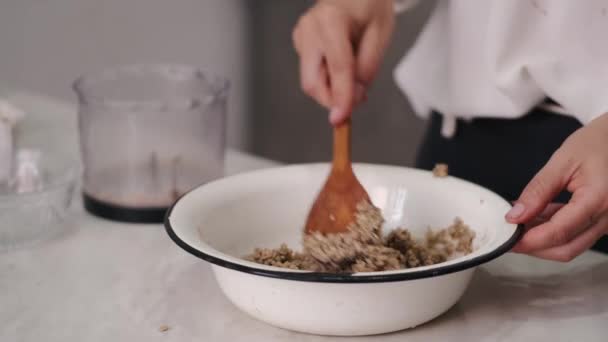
335	207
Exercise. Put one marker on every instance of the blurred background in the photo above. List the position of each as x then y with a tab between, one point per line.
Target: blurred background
46	44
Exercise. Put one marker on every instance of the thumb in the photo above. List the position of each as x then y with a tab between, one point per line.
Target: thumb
541	190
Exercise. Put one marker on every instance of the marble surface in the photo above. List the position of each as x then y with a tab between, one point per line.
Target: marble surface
107	281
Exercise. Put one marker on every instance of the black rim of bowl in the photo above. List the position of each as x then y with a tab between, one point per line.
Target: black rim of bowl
345	277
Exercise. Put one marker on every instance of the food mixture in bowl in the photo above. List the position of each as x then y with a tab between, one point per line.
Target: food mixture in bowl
364	248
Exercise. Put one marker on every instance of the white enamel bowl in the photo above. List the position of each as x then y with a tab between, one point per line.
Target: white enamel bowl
224	220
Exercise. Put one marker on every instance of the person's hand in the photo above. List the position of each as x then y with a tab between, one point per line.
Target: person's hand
341	44
562	232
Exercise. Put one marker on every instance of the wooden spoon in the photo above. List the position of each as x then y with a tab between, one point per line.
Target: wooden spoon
335	207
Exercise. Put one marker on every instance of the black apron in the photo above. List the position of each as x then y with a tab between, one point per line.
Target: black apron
500	154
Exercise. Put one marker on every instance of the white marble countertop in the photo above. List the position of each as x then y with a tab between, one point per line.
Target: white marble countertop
107	281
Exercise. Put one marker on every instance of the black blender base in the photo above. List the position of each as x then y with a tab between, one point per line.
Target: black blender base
124	214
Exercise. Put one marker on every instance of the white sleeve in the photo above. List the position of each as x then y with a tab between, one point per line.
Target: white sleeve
566	56
404	5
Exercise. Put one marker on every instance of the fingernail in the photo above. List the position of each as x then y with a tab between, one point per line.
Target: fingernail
335	115
515	212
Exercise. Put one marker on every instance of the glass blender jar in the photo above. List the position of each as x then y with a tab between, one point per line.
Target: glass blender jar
148	134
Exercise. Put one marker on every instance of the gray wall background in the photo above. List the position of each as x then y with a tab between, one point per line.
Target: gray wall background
46	44
288	126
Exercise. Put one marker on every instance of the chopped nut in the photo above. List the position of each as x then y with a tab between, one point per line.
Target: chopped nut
440	170
163	328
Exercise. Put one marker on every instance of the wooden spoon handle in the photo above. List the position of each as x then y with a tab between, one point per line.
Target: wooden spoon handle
341	161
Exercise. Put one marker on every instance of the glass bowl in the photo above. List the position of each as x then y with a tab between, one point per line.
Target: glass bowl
30	217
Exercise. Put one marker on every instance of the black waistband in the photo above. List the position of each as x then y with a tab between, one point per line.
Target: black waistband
550	101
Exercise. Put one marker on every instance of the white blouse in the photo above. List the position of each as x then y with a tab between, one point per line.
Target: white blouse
498	58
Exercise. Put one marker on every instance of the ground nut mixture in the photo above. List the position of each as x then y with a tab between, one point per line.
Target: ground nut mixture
364	249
